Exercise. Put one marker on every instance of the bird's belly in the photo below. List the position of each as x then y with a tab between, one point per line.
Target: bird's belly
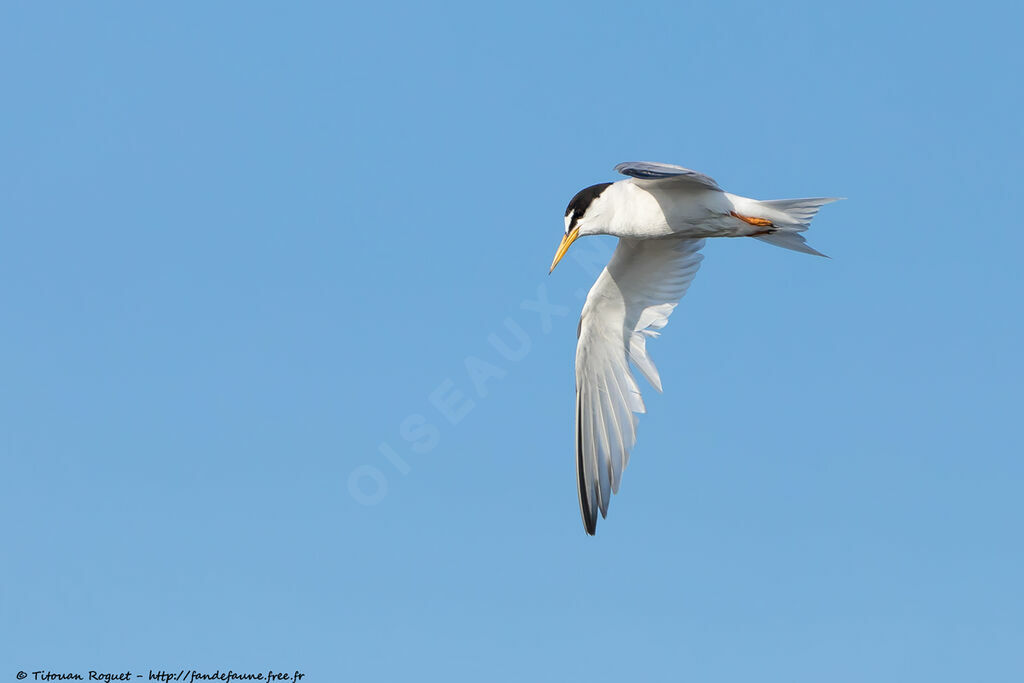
700	214
706	225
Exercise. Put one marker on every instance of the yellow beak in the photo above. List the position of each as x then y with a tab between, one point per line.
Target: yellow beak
564	246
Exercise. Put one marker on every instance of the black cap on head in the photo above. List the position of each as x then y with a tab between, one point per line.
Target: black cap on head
579	204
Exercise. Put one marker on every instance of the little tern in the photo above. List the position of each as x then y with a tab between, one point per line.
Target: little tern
661	214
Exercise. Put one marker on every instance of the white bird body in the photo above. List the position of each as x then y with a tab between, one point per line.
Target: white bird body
661	214
650	212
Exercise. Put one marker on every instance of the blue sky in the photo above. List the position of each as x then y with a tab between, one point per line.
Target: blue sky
248	250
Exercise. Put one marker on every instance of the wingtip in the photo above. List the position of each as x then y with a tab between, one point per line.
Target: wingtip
589	520
590	524
586	511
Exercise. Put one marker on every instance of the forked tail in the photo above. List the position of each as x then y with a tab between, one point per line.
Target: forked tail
791	217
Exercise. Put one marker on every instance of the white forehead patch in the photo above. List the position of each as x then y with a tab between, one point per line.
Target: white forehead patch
568	220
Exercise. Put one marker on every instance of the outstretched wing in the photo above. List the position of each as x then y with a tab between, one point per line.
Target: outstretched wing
631	301
649	170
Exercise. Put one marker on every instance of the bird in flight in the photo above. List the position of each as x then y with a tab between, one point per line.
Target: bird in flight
661	214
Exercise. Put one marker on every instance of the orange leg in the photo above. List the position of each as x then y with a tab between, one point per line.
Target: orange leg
760	222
